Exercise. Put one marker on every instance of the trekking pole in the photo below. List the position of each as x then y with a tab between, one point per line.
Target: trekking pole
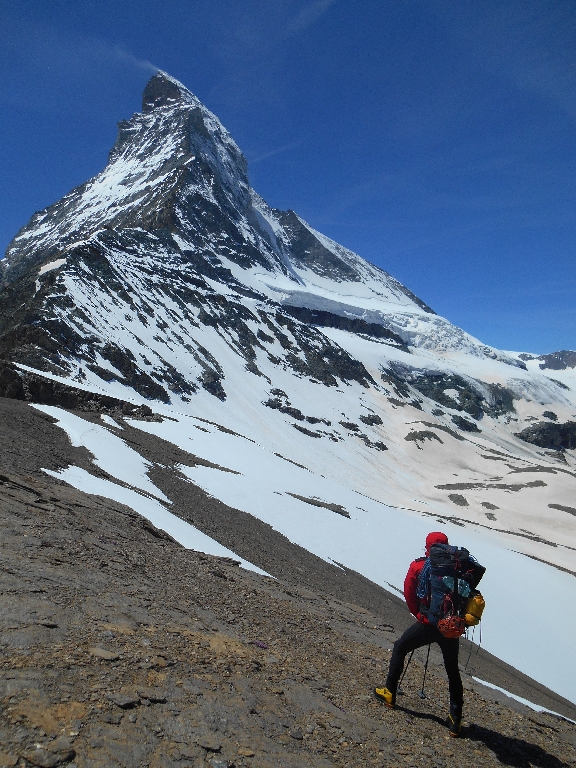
421	693
403	673
471	641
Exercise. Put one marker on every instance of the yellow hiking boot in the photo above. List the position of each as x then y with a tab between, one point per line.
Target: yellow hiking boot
386	696
455	721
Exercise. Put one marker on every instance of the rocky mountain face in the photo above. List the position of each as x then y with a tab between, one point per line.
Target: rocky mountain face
171	226
166	284
119	281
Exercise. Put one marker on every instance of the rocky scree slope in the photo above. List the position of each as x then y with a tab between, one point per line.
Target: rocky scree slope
119	647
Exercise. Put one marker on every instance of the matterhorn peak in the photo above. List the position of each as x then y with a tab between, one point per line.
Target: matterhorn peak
177	174
165	160
162	90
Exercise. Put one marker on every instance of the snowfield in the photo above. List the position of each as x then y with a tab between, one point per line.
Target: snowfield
376	540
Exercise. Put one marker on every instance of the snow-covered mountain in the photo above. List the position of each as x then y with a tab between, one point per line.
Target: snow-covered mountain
348	411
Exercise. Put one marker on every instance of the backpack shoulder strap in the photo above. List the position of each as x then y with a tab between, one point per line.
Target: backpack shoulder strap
424	580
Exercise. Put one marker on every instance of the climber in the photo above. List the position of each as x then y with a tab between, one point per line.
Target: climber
420	634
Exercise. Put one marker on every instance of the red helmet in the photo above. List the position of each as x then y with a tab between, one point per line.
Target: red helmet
436	537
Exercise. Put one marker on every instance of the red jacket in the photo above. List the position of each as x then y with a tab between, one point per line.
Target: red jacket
410	586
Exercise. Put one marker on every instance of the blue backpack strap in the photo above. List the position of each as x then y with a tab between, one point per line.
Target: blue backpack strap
423	589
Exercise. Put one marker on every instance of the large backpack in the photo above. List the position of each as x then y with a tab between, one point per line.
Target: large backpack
453	578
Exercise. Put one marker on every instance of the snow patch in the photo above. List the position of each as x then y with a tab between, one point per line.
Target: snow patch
110	421
184	533
110	452
530	704
48	268
122	462
52	265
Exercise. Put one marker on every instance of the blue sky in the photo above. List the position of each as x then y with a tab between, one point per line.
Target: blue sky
436	138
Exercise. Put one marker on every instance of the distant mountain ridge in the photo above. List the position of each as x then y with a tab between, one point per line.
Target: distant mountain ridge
555	361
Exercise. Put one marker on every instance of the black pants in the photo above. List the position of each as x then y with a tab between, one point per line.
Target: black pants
415	637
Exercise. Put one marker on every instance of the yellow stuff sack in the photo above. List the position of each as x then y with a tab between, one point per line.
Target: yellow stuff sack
474	608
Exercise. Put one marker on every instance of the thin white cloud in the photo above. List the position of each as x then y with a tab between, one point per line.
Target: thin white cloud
274	152
37	48
52	67
121	55
308	15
